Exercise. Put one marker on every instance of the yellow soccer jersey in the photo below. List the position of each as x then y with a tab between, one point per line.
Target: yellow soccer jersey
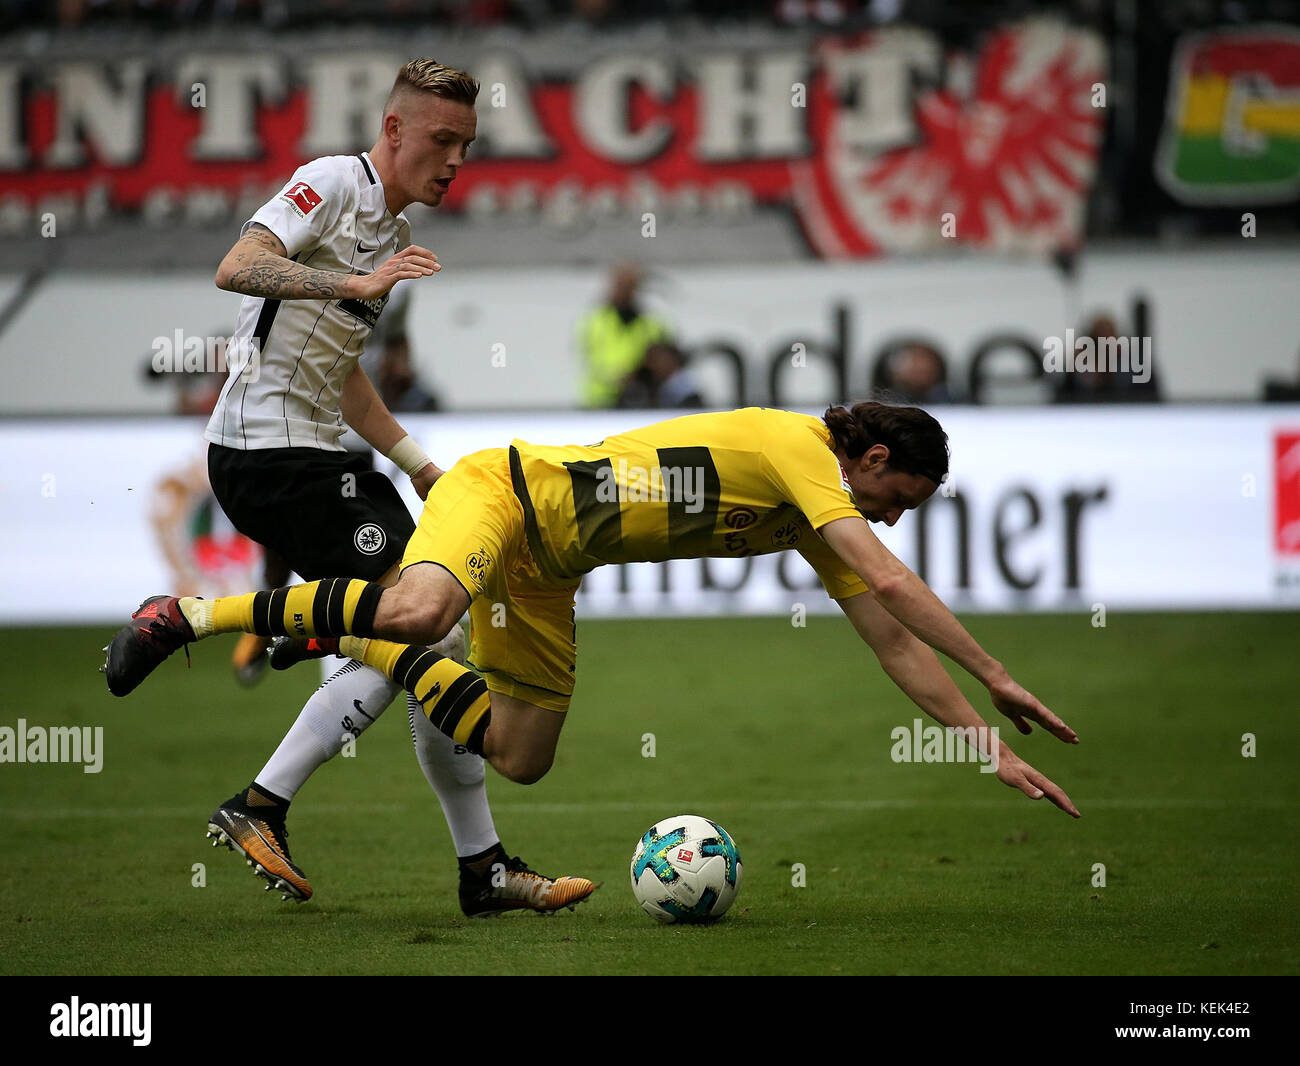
745	482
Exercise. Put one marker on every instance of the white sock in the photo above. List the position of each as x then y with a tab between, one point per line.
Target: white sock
341	709
331	665
458	778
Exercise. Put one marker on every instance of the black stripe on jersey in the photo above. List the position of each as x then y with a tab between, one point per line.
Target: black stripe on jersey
369	173
265	319
600	521
262	330
330	373
288	387
536	545
692	534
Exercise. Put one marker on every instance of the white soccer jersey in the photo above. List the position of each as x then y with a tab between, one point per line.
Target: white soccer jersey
331	216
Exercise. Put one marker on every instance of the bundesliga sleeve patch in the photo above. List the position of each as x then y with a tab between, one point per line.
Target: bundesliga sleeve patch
302	198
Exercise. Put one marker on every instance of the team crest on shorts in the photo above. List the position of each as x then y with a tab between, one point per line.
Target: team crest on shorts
369	539
476	564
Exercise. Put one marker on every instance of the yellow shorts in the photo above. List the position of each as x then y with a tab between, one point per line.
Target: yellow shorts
522	626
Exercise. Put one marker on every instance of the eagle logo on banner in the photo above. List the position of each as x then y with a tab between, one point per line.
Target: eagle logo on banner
1001	153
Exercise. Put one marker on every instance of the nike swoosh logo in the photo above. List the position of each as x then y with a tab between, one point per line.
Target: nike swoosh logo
362	248
360	711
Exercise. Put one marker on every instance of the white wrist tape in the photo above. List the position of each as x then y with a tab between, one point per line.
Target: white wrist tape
409	456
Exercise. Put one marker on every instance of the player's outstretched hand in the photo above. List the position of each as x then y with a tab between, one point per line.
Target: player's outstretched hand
1015	772
1018	704
422	480
411	262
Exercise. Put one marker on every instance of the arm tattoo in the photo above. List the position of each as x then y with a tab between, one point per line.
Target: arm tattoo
285	280
264	270
256	233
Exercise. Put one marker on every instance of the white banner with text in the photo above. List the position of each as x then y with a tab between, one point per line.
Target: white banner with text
1047	509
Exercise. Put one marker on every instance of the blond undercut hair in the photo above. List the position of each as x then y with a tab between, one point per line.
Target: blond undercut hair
436	79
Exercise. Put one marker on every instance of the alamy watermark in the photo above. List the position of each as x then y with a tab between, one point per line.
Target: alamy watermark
75	1018
184	354
56	743
623	482
1098	355
935	743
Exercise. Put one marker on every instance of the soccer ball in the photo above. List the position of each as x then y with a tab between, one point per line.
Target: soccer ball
685	869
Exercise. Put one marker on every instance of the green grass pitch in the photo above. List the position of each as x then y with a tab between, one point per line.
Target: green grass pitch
779	733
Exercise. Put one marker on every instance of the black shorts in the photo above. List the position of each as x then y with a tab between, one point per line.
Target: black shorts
329	514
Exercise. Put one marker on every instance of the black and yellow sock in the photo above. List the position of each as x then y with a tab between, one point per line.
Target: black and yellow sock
331	607
455	699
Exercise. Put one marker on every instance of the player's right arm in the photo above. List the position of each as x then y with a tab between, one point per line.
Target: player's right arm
318	207
258	265
915	669
804	473
909	599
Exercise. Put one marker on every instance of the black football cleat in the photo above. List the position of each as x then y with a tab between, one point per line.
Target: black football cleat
156	629
290	651
263	841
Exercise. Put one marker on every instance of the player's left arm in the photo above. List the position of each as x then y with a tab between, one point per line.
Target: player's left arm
365	411
910	601
916	670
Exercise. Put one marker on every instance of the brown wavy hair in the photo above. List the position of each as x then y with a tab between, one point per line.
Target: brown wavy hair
917	443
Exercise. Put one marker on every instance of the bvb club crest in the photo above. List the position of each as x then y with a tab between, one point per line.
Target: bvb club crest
476	564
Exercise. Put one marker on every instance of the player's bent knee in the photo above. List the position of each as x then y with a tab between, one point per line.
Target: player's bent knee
522	769
531	774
